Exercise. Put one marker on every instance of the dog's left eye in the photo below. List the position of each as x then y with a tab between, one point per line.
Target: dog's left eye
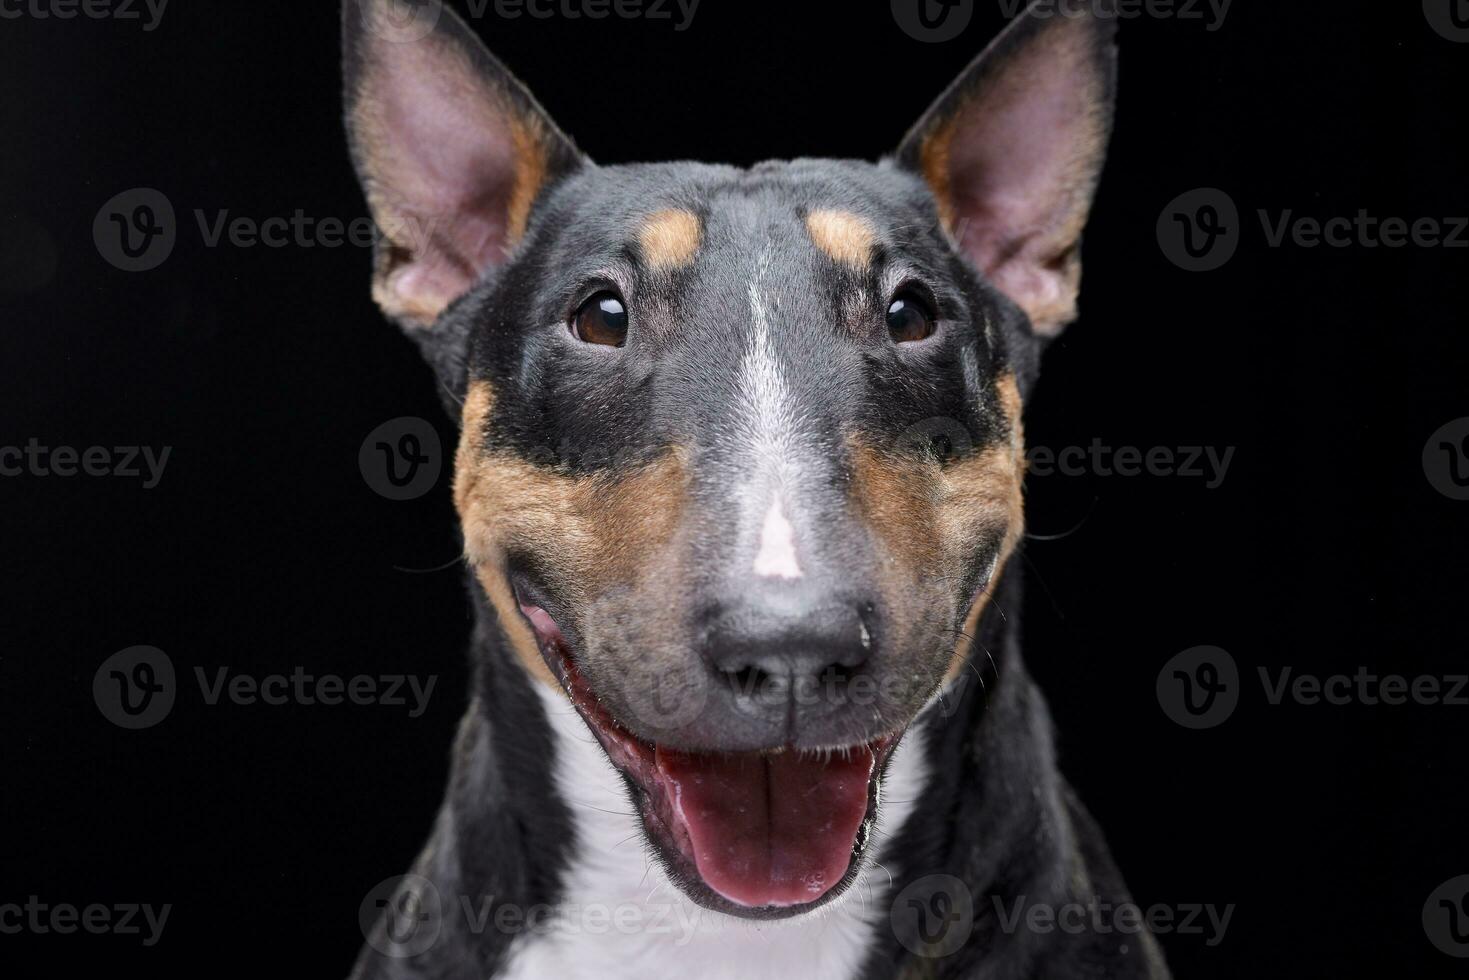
909	318
601	320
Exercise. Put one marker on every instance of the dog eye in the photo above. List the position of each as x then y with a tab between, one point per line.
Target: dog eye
601	320
909	318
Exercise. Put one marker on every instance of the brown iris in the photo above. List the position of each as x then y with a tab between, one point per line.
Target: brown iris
601	320
909	318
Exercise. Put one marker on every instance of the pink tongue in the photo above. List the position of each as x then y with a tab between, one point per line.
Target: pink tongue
769	830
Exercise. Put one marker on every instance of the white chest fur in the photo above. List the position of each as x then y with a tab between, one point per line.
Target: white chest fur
622	918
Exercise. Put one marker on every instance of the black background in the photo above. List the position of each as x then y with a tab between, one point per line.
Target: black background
262	548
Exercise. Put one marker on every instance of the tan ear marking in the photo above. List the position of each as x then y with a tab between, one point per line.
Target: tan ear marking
933	163
531	164
669	238
847	238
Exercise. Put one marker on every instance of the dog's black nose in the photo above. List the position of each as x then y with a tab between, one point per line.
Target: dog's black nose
787	653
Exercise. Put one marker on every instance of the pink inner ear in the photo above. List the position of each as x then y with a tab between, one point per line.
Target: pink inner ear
442	160
1014	155
1021	157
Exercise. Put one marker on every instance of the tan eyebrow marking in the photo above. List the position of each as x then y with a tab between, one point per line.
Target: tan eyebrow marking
844	236
669	238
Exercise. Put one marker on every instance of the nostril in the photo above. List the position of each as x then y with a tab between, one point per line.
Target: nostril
766	645
838	676
790	679
746	682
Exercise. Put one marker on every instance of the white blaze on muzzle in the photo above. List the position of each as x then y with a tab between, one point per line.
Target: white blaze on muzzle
777	555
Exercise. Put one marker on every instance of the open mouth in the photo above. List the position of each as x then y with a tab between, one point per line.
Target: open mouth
756	834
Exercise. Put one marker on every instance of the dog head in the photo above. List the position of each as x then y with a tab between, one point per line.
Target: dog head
741	450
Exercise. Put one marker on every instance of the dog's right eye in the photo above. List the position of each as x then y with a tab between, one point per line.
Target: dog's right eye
909	318
601	320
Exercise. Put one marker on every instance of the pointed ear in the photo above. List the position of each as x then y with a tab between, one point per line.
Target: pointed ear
1013	149
451	149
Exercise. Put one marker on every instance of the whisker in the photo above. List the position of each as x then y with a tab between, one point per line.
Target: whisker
994	664
424	571
615	813
995	604
1051	596
1070	531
